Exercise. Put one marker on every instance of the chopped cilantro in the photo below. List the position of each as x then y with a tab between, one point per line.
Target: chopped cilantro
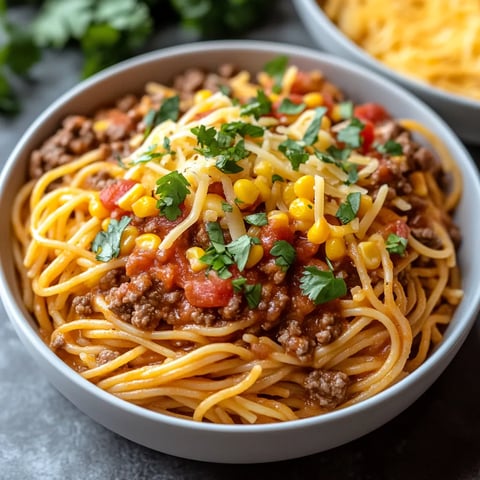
289	108
225	89
396	244
294	151
151	153
390	147
285	254
257	219
239	249
321	286
253	293
277	178
106	245
261	105
226	207
345	109
348	210
350	135
169	110
339	158
275	68
172	191
243	129
311	134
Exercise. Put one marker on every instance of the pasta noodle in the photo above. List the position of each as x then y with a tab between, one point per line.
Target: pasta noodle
261	253
438	44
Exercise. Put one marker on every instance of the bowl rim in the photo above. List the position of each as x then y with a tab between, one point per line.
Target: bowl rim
316	12
19	316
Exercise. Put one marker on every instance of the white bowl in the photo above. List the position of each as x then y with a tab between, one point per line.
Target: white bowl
239	443
461	113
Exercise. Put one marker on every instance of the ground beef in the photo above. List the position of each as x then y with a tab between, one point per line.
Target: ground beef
106	356
82	304
273	303
326	388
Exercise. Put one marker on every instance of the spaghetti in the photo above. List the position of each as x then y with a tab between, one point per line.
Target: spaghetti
259	251
436	44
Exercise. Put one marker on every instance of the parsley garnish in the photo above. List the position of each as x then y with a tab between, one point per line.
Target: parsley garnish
225	89
350	135
261	105
345	109
277	178
339	158
285	254
106	245
257	219
169	110
172	191
151	154
294	151
220	256
396	244
226	207
311	134
348	210
275	68
253	293
321	286
289	108
390	147
221	143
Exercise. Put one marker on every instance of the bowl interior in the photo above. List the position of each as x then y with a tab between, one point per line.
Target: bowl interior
360	85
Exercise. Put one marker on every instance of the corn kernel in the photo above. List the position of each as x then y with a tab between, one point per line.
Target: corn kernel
304	186
127	242
313	99
214	202
342	230
288	193
326	123
101	125
246	192
262	167
324	141
336	113
201	95
274	97
302	209
335	248
148	241
193	255
264	188
145	206
366	203
105	224
419	184
126	201
254	256
302	225
96	208
278	219
370	254
319	231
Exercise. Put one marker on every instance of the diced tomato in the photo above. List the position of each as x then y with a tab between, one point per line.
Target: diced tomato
209	292
216	187
371	111
269	235
368	136
110	195
306	82
139	261
398	227
305	250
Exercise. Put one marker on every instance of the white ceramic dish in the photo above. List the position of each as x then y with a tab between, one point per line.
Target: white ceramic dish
461	113
239	443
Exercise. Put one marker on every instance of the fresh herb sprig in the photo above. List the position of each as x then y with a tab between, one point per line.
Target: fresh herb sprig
321	286
172	189
106	244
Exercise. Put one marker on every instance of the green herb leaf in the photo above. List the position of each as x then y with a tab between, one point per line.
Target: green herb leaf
311	134
151	153
339	158
106	245
239	249
225	89
275	68
261	105
348	210
172	191
396	244
285	254
350	135
321	286
243	129
257	219
226	207
294	151
277	178
238	284
391	148
345	109
289	108
169	110
253	294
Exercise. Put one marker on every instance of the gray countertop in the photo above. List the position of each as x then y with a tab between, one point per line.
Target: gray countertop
43	436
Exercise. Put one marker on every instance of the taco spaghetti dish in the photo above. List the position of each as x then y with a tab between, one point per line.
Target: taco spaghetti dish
238	248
